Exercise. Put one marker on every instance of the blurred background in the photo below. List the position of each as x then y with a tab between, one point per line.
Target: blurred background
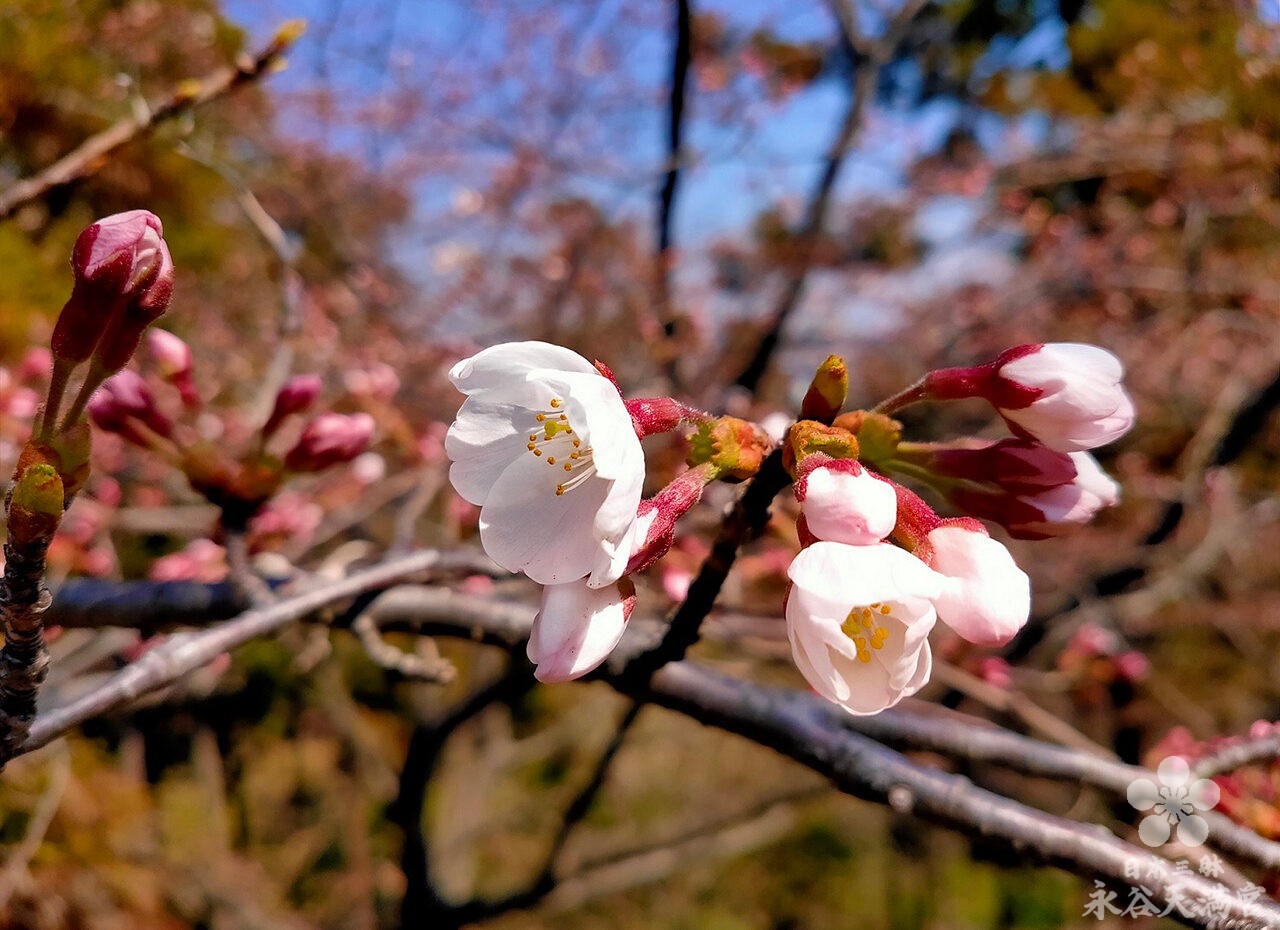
711	197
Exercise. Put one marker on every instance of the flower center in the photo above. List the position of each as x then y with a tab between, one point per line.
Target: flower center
554	441
863	627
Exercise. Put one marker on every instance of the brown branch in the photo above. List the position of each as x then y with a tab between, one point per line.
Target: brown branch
87	157
681	58
185	652
24	660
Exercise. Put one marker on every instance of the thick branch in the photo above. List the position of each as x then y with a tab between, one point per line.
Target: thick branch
185	652
90	154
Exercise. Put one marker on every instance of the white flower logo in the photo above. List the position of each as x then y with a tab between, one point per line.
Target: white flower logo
1173	803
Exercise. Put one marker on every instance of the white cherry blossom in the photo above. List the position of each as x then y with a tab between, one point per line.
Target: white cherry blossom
546	448
858	618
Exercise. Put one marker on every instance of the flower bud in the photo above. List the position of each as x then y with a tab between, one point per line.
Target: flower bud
125	405
35	508
173	359
735	447
840	501
987	598
655	528
809	437
330	439
827	392
298	393
1065	395
118	260
577	627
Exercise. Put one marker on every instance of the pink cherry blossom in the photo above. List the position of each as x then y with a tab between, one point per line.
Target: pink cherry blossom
843	502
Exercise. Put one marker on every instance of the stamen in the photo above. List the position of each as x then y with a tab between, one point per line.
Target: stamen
862	626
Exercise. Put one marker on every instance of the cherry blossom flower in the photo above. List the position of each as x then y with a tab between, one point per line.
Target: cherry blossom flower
577	627
858	618
1072	396
986	597
545	446
840	501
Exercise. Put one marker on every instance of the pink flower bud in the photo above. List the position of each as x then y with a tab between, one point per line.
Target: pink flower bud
124	405
1079	401
843	502
577	627
123	274
173	359
330	439
655	526
1031	513
298	393
987	598
1066	395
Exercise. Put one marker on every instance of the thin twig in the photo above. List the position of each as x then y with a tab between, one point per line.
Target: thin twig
87	157
866	58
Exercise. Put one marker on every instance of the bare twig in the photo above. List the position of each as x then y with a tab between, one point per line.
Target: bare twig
866	58
90	154
427	665
681	57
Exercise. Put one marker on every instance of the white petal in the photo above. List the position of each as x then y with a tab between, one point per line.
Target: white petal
575	630
509	362
1053	363
860	575
526	527
481	443
595	402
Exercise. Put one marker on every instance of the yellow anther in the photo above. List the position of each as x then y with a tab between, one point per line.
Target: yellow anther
864	656
537	452
540	417
551	459
555	402
559	490
533	436
576	442
564	416
886	609
532	446
568	467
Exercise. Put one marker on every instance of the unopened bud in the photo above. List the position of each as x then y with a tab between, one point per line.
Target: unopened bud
878	434
809	437
123	403
734	447
173	359
298	393
35	509
118	259
827	392
330	439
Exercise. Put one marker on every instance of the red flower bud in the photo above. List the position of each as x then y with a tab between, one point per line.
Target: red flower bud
298	393
125	403
330	439
120	260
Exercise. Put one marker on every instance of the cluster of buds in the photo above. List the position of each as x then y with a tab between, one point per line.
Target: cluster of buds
239	482
123	283
550	451
880	566
1249	793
